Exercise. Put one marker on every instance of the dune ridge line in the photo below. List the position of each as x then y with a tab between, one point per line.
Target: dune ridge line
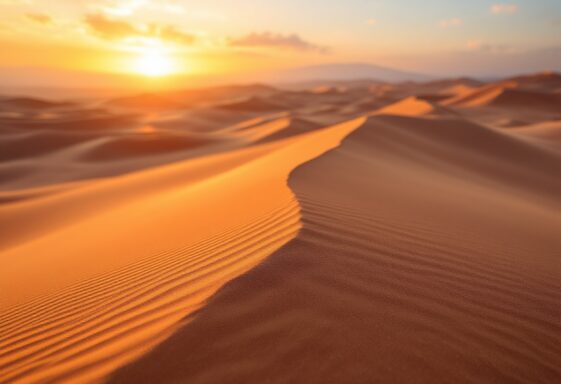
107	288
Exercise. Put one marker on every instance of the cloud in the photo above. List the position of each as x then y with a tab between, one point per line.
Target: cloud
276	40
15	2
121	7
453	22
372	22
170	33
116	29
504	8
110	29
40	18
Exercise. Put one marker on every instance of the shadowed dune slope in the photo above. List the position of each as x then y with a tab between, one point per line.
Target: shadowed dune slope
131	146
422	259
544	82
31	103
550	130
38	143
84	291
547	134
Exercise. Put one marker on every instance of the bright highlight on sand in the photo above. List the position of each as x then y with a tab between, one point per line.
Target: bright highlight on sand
154	63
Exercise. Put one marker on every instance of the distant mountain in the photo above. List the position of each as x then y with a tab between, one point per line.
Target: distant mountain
344	71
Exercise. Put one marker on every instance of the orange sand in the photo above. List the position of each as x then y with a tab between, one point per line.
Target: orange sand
249	235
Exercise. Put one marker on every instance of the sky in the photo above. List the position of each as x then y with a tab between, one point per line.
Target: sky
204	37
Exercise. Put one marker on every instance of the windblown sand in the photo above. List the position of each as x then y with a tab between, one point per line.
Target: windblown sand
344	234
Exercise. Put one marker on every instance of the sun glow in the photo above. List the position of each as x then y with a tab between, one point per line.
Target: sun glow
154	63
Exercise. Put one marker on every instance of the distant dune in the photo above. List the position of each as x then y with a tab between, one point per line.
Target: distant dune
31	103
414	106
348	230
545	81
147	101
506	96
42	79
252	104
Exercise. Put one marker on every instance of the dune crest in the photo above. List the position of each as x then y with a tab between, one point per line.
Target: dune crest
146	262
413	106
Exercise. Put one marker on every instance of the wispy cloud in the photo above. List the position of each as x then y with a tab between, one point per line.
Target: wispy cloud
15	2
118	29
504	8
171	33
120	7
123	8
41	18
453	22
110	29
276	40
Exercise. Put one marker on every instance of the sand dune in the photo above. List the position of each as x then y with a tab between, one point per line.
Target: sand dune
478	97
102	121
253	104
191	98
207	96
31	103
549	130
543	82
505	96
457	90
414	106
38	143
357	232
126	147
116	300
547	134
391	278
147	101
277	129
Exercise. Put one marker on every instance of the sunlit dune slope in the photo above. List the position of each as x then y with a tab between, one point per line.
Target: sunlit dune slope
414	106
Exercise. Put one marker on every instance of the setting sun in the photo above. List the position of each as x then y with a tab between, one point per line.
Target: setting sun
154	63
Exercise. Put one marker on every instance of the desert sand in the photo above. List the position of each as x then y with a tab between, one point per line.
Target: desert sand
352	232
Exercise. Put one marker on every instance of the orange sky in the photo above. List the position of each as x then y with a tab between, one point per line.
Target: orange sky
196	37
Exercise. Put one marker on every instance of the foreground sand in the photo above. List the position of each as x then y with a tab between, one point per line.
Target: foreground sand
424	248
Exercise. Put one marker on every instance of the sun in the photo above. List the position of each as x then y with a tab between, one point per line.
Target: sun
154	63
